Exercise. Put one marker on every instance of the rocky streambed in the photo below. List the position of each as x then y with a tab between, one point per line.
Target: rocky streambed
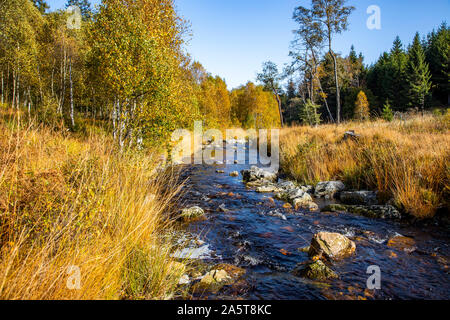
253	236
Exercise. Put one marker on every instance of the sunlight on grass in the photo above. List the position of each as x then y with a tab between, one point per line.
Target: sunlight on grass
68	201
407	160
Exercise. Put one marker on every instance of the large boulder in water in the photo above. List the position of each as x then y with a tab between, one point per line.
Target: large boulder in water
333	246
329	189
258	174
315	271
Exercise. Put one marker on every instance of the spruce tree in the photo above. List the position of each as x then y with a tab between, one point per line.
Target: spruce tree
417	75
398	62
438	56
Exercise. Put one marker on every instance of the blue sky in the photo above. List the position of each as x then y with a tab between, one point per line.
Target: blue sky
232	38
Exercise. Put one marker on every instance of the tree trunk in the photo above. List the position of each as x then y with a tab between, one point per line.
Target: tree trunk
320	87
279	108
3	94
14	89
72	116
338	94
18	91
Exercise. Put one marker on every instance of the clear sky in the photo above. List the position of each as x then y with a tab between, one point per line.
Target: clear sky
232	38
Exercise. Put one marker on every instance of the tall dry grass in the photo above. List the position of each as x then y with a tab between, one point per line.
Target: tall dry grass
407	160
67	201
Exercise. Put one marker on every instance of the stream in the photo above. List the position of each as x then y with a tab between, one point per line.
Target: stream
267	247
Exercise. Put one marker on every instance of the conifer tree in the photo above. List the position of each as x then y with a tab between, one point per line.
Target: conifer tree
417	75
438	58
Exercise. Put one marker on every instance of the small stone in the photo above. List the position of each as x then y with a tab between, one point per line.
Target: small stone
316	270
287	206
184	280
234	174
192	213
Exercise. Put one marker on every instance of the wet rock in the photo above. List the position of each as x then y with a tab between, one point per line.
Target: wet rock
291	194
311	206
329	189
269	188
375	211
192	213
286	185
234	174
277	214
304	250
299	198
287	206
316	270
213	281
367	198
232	271
258	174
302	201
333	246
402	243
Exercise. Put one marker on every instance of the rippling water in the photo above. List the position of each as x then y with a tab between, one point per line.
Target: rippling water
267	247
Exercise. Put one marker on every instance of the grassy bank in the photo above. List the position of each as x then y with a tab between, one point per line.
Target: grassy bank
74	201
406	160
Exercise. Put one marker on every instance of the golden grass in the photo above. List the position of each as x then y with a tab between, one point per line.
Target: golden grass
67	201
407	160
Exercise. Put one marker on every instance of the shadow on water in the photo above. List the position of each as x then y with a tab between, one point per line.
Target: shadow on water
268	247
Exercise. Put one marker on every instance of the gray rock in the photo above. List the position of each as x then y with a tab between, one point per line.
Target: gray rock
290	195
367	198
286	185
329	189
268	189
258	174
375	211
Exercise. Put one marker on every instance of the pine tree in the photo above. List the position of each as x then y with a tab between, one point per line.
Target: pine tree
362	111
397	61
438	56
417	75
309	113
387	114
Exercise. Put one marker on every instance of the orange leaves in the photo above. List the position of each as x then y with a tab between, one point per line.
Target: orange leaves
285	252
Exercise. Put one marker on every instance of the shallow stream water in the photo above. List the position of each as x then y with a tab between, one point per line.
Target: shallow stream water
268	247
